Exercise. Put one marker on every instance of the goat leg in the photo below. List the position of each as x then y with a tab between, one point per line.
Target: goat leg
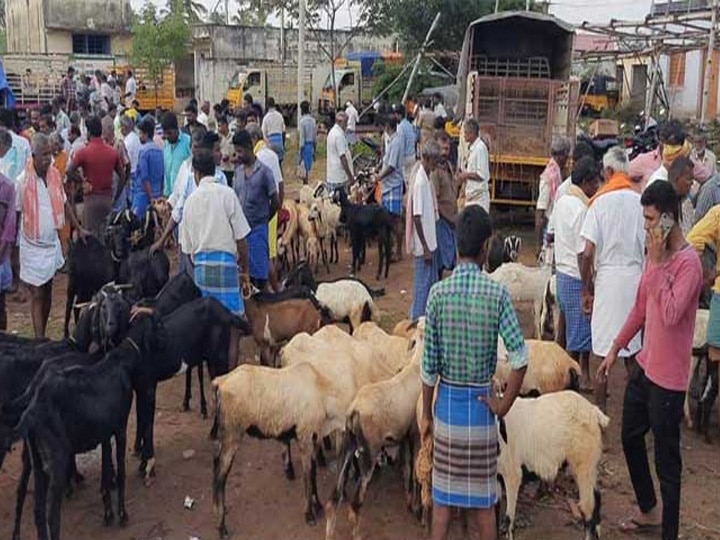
57	482
41	487
203	401
188	389
120	443
69	301
323	254
708	398
288	467
22	490
106	479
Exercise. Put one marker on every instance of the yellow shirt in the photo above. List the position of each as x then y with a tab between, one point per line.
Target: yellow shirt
707	231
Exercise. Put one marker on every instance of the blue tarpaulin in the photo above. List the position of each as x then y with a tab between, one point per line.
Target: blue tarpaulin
7	98
367	60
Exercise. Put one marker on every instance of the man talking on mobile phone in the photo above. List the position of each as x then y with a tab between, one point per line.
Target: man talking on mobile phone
665	306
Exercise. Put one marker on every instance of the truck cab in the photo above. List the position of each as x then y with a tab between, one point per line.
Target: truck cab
247	81
348	85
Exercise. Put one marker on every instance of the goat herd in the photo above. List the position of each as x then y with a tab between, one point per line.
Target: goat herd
317	386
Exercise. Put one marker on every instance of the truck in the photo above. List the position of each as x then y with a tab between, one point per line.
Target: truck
514	79
277	81
354	78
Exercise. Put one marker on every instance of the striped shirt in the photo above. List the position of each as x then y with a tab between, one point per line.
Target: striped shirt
465	313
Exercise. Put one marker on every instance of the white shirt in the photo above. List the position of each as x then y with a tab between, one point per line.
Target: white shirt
337	146
213	219
131	88
203	119
478	162
660	174
269	158
185	186
567	220
273	123
440	111
132	145
40	258
614	223
352	115
423	205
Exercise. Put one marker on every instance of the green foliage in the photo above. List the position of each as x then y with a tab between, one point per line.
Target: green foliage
386	73
411	19
192	10
159	42
252	13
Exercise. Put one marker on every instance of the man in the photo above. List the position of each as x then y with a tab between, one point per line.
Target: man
645	165
251	107
175	151
352	120
476	170
307	139
421	239
8	230
674	145
707	197
439	109
269	158
239	121
98	161
76	141
46	124
212	233
227	149
425	121
183	188
148	178
392	181
703	159
409	136
339	173
130	88
204	114
120	190
68	91
62	120
566	221
446	193
12	164
665	310
550	181
258	195
612	262
44	208
60	162
465	314
273	129
581	150
132	142
680	176
191	119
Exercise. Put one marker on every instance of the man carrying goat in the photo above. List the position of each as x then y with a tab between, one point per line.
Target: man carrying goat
465	314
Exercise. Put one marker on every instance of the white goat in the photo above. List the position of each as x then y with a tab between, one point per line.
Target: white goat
348	300
545	432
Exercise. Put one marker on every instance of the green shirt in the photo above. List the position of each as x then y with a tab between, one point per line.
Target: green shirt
465	314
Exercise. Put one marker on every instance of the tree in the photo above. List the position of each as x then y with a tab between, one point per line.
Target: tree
252	13
159	41
192	10
455	18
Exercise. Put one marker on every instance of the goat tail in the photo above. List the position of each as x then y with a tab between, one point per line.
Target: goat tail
356	434
28	419
602	419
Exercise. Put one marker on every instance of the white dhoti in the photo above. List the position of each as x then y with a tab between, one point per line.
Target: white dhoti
479	197
615	292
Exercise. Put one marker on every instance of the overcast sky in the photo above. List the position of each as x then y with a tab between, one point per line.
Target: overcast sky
573	11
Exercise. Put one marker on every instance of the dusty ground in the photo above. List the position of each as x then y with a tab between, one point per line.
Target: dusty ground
263	505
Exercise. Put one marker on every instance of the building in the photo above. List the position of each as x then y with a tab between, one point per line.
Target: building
79	27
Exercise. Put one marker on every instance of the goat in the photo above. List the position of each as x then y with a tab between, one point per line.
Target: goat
73	410
146	272
502	250
363	222
288	240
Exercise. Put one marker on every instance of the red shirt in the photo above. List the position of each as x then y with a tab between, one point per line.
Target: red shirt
666	304
98	161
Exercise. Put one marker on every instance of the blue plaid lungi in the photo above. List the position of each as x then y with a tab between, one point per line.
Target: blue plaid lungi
465	448
392	200
713	329
216	275
259	252
446	252
276	143
5	275
578	334
426	275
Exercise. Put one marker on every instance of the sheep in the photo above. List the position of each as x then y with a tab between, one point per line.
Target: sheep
502	250
348	300
550	369
308	226
295	402
288	239
275	318
525	284
382	415
574	435
405	328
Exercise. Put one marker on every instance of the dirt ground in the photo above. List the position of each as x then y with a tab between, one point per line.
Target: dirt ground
263	505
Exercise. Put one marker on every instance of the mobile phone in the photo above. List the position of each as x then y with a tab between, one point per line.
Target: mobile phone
666	224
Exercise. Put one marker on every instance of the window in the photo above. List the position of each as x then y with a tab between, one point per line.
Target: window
677	70
90	44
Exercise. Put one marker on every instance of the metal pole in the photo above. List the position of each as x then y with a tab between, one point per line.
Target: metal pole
385	90
300	59
419	57
527	5
709	63
282	36
497	6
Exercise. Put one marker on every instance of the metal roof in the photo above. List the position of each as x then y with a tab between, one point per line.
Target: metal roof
529	15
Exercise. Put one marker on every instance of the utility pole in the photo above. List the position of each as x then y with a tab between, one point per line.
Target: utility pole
300	60
497	6
420	54
227	11
709	61
282	36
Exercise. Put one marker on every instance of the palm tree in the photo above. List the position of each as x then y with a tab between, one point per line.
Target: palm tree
192	10
251	13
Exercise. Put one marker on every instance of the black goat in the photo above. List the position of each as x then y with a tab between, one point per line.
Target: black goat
502	250
302	276
73	410
147	273
364	222
197	332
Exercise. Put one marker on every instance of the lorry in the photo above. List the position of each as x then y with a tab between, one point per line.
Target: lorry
354	78
277	81
514	79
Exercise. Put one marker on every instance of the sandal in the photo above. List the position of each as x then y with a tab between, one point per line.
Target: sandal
632	525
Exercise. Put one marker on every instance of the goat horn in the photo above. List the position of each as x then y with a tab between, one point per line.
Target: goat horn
123	286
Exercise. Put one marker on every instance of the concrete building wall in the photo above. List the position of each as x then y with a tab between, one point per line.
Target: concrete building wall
102	16
25	26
